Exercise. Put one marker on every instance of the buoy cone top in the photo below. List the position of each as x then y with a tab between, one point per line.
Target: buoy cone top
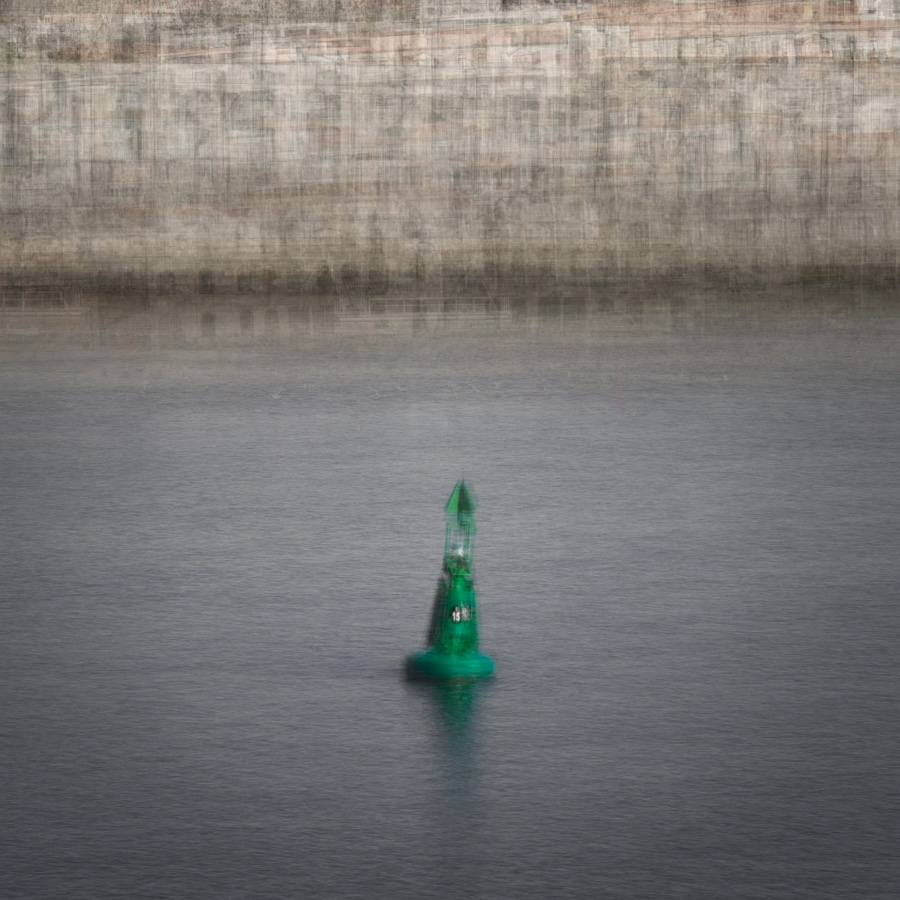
462	503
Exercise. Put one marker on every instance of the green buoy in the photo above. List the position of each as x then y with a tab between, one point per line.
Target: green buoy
453	634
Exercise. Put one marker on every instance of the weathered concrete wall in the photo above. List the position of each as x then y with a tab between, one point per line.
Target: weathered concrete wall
467	156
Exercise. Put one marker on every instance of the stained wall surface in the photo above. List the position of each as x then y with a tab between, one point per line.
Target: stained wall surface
477	152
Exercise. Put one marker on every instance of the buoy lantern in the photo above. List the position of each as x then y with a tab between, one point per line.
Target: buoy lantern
453	633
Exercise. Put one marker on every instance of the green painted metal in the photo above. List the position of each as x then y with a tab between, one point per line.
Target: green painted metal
462	503
440	666
453	632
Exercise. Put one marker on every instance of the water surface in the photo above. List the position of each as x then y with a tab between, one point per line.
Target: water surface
214	563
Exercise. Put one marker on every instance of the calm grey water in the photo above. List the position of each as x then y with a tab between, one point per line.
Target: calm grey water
213	566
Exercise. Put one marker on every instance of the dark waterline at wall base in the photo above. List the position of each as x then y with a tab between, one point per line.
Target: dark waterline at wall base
350	281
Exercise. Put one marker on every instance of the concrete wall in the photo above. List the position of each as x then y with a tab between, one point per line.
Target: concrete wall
530	150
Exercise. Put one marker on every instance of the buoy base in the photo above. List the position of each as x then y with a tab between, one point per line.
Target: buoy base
431	664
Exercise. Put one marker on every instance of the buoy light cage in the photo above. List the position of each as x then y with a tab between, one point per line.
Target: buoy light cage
452	638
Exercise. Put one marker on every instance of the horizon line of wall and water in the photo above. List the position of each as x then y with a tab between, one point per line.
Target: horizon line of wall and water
589	153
